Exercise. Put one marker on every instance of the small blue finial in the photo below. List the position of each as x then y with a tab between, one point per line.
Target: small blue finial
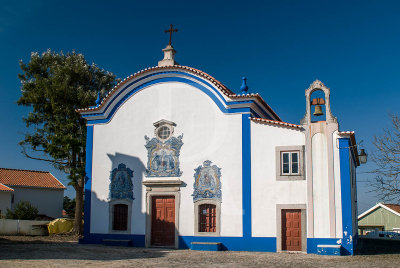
244	88
98	101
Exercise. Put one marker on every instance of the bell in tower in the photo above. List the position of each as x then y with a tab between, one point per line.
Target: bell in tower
317	102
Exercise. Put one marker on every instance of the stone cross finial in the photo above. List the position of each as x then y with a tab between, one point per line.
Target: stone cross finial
170	31
169	51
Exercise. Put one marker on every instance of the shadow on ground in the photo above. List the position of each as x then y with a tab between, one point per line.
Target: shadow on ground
373	246
37	249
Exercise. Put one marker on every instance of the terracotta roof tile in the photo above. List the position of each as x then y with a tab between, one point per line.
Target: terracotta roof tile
5	188
394	207
273	122
29	178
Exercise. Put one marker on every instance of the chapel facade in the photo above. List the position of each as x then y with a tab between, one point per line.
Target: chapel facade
176	159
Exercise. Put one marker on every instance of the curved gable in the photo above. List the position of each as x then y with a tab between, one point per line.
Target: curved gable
225	99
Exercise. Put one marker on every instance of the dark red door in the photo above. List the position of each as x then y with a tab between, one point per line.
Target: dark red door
291	229
163	221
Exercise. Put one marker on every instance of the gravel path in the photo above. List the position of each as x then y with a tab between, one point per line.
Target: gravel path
67	253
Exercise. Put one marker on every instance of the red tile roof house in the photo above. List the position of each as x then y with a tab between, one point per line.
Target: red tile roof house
40	188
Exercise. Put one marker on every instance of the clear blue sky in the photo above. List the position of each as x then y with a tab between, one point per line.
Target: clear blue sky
281	46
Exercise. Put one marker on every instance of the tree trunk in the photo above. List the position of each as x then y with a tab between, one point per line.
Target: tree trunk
79	189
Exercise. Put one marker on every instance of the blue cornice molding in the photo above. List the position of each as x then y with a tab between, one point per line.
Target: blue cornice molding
105	114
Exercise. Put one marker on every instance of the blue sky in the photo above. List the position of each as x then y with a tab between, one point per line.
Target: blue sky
281	46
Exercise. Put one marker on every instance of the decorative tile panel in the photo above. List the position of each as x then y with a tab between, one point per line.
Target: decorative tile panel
163	157
207	182
121	186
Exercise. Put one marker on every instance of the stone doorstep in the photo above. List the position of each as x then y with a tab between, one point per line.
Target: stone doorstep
206	246
117	242
328	246
329	250
207	243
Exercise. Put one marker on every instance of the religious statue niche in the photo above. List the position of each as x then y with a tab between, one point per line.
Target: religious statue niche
163	151
207	183
121	186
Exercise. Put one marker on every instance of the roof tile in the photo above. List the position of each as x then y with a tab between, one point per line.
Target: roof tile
29	178
394	207
5	188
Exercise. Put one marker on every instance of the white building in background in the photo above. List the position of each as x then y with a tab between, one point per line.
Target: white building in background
40	188
176	159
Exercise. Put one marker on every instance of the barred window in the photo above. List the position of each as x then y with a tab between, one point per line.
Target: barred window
207	218
120	217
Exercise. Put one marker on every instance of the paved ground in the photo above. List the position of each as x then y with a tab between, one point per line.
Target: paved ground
65	252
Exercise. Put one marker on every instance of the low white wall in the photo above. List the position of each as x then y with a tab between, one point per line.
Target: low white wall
20	227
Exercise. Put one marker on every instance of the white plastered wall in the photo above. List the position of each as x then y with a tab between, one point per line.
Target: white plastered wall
208	134
320	185
5	202
266	191
48	201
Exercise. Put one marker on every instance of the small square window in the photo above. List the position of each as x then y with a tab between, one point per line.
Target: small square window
289	162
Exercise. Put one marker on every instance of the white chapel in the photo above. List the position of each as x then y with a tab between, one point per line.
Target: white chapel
176	159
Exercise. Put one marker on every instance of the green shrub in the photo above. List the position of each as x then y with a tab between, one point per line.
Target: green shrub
23	211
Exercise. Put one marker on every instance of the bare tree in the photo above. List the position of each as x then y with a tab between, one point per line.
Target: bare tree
387	159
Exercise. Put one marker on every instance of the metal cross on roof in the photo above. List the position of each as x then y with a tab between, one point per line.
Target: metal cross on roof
170	31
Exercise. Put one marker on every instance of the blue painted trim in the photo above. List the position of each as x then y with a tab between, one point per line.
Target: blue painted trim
137	240
348	241
262	244
246	175
88	179
173	79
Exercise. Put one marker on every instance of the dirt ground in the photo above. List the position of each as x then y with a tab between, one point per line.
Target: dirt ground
64	251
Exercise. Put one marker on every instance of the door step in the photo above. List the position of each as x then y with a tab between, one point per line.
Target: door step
117	242
329	249
206	246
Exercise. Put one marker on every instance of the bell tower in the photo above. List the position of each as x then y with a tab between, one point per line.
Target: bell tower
320	142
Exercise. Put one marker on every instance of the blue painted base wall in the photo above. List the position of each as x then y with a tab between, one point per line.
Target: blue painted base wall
137	240
260	244
263	244
312	243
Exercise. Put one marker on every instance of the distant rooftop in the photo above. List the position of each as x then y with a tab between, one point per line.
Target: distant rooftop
29	178
394	207
5	188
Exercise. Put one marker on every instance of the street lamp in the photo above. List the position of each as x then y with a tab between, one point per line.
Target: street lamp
362	156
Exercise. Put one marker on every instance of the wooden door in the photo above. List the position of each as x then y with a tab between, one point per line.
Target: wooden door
163	221
291	229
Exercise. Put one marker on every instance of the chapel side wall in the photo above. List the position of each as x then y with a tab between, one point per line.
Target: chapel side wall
338	187
5	202
48	201
266	190
208	134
